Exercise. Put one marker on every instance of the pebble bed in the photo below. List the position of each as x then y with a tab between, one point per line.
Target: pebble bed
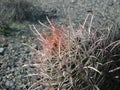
13	55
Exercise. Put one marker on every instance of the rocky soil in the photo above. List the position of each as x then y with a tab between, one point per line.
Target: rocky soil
13	55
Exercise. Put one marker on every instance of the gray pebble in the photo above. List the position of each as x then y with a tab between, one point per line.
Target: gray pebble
7	83
2	51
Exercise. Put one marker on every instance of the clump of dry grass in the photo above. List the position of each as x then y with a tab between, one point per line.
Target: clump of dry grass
74	60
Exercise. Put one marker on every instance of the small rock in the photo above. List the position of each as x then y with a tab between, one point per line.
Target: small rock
11	84
8	68
7	83
23	37
2	51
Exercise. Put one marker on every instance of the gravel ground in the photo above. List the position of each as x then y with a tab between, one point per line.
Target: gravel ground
14	54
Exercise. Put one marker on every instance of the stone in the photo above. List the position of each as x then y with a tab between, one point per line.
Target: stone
2	51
